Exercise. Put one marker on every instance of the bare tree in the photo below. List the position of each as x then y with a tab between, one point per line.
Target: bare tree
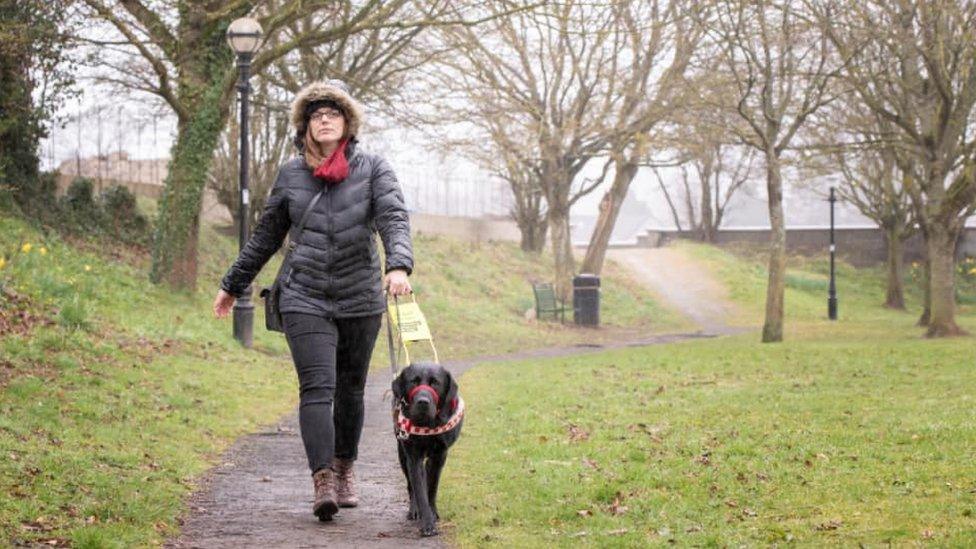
660	40
780	66
914	65
713	171
177	51
550	76
863	150
554	88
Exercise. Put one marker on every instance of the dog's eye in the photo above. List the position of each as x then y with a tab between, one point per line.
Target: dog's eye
433	382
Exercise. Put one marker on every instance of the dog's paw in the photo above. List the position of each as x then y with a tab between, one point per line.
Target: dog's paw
428	530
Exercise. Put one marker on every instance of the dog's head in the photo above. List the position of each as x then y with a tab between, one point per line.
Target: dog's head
429	391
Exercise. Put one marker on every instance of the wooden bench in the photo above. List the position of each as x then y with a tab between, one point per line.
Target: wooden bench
546	301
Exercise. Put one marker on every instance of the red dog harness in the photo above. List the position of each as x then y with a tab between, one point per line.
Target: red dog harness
403	427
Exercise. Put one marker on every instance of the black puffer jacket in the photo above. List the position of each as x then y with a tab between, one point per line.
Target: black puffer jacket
335	269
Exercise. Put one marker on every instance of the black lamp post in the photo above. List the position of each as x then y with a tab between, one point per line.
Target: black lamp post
244	37
832	289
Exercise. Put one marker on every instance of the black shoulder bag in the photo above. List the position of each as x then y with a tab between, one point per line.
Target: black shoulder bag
272	314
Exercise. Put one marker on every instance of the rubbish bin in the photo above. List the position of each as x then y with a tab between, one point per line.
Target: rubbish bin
586	299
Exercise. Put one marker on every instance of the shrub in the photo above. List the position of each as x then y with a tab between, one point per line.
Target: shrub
80	212
122	218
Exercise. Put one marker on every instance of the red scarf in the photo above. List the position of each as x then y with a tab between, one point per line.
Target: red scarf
335	168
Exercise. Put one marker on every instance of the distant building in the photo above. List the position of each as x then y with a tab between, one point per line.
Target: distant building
143	177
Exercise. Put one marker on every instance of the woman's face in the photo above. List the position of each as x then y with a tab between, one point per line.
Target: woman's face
327	125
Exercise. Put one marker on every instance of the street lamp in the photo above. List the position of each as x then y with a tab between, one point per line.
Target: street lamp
244	37
832	289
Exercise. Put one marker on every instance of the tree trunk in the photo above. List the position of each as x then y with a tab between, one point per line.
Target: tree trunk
923	319
895	295
562	249
533	235
707	215
942	258
776	284
19	125
178	224
596	252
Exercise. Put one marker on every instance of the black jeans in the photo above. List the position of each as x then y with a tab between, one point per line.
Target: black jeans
332	359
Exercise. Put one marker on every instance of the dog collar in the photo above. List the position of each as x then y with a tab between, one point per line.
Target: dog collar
403	427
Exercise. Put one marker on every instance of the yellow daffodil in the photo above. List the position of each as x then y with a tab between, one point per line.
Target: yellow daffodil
971	271
3	262
87	268
26	248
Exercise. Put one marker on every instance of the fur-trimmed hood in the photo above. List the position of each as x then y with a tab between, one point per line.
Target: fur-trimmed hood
334	90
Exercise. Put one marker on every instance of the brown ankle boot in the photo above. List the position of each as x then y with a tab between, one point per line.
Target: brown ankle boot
345	482
325	494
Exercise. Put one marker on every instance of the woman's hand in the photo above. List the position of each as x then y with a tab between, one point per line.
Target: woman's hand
223	304
396	282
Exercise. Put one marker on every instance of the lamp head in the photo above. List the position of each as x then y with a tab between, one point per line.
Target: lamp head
244	35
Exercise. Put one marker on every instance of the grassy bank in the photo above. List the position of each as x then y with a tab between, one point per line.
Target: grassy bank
854	432
116	394
860	291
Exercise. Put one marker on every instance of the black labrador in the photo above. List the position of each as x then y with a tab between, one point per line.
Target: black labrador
427	416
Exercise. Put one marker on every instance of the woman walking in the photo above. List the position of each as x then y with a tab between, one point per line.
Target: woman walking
332	296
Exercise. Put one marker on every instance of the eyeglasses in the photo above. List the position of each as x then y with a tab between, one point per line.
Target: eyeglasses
325	114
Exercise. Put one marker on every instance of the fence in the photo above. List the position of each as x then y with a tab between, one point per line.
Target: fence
128	146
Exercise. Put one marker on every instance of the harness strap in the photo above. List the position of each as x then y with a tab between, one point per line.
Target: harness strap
404	428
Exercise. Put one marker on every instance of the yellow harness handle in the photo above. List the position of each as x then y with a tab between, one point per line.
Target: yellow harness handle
401	341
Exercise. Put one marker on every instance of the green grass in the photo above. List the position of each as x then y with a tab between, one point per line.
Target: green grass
860	292
721	443
114	393
116	396
475	296
853	432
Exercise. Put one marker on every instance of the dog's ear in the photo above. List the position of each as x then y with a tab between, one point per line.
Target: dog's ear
450	393
399	385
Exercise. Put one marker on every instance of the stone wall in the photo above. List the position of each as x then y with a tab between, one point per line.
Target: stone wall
859	245
474	229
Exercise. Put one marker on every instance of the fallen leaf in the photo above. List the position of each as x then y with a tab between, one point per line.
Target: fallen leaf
584	513
928	534
749	512
591	464
832	524
618	532
577	434
616	508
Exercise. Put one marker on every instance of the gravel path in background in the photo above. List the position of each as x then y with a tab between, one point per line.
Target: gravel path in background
683	284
